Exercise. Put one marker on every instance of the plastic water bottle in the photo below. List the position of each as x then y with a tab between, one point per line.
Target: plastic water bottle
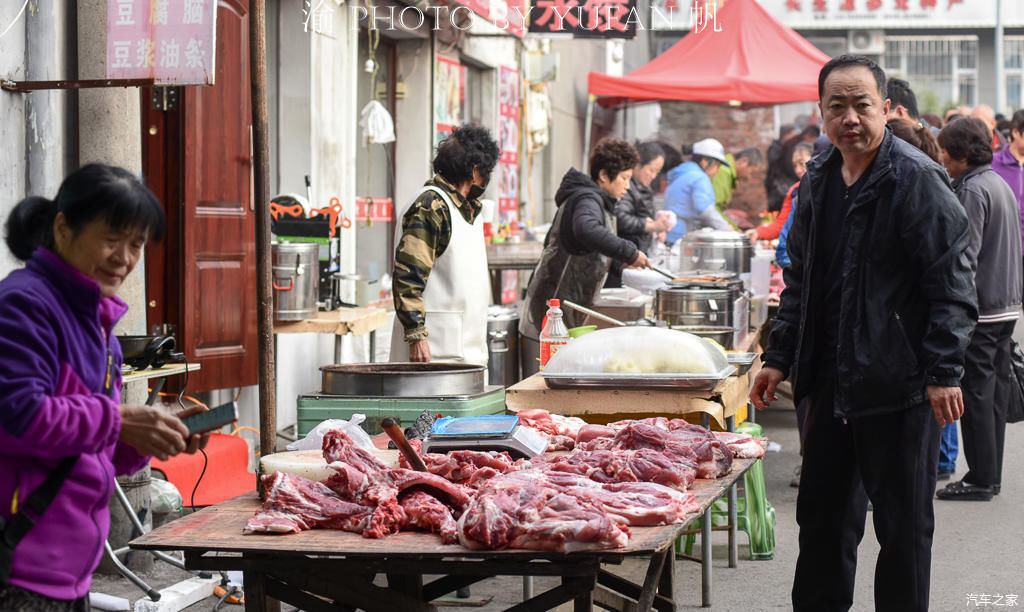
554	335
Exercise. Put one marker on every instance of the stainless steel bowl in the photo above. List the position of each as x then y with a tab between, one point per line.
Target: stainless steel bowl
404	379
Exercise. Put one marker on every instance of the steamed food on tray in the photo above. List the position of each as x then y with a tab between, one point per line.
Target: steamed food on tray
638	350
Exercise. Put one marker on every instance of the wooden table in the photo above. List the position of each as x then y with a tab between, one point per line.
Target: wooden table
340	322
332	570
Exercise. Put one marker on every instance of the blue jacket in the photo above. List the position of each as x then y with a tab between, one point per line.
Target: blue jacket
60	381
781	254
689	194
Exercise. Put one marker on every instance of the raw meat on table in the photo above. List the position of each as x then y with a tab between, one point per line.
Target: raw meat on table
466	467
688	442
554	424
294	503
643	465
425	511
742	446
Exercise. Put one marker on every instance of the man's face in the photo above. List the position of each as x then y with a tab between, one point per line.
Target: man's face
853	111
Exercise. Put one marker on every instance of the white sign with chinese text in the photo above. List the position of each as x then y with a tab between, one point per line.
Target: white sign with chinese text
846	14
170	41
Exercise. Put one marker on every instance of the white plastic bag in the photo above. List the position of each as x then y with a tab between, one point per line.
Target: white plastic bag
314	440
164	496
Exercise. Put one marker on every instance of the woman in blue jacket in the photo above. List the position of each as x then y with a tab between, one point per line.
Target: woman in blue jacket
690	194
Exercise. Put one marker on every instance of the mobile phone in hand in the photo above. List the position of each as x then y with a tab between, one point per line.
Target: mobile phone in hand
209	420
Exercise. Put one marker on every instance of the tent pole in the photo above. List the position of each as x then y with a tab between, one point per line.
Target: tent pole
588	124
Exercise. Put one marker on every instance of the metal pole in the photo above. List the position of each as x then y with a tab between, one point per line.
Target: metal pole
1000	63
588	125
261	183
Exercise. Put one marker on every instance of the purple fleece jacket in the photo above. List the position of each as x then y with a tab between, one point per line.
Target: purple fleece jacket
60	381
1012	171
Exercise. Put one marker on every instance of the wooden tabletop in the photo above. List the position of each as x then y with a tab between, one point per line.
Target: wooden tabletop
514	255
219	529
355	321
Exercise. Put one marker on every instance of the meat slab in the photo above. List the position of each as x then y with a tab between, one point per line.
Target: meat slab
294	503
465	467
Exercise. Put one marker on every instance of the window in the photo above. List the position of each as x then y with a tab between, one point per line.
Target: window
943	70
1013	60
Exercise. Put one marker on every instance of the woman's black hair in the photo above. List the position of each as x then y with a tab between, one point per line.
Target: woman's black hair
614	156
649	151
468	146
968	139
94	191
673	157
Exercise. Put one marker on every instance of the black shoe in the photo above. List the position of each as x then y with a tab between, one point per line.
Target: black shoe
944	475
962	491
996	489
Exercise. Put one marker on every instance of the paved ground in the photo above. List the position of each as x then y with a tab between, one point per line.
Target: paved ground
977	549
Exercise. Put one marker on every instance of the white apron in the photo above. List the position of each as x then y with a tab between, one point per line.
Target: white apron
457	295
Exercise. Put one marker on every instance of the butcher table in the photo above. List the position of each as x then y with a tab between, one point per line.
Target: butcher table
331	570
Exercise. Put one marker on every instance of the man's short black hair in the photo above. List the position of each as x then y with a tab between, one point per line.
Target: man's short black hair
849	61
968	138
467	147
1017	122
900	94
753	155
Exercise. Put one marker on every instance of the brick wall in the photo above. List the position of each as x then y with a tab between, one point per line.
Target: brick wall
736	129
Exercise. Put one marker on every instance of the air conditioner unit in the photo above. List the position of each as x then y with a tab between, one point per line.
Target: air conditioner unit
866	42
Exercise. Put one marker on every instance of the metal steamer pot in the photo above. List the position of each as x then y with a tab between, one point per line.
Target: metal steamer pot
715	251
698	304
296	279
502	346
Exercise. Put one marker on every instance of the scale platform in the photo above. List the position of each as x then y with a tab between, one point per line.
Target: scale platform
313	408
498	432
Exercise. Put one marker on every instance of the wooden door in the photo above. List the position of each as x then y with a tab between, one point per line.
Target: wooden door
218	302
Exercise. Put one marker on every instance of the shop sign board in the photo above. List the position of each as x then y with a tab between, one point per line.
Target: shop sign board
378	210
881	14
585	18
508	165
170	41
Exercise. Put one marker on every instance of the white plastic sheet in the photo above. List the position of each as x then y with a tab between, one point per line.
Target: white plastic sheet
638	350
314	440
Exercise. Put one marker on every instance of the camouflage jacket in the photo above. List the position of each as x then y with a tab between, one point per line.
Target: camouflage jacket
426	231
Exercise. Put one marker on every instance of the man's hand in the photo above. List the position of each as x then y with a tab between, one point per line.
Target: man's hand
195	441
947	403
152	432
641	261
763	391
419	351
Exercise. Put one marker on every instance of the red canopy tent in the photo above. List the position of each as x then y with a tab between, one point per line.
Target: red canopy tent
753	59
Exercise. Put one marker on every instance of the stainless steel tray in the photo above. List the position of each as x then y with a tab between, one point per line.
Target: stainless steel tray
598	380
742	361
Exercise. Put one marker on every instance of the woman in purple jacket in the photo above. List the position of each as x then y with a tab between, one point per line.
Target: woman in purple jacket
60	381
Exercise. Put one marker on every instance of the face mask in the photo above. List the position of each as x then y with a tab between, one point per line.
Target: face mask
475	191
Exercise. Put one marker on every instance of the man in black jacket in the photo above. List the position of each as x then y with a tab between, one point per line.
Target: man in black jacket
877	312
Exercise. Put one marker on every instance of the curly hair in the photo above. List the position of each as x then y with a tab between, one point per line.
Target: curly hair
916	134
967	138
614	156
467	147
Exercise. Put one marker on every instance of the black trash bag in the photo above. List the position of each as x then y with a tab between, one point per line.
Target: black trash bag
1015	409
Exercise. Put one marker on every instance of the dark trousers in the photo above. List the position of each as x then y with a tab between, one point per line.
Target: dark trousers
986	394
890	459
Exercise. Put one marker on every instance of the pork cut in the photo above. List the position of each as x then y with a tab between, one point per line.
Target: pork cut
293	504
687	442
465	467
742	446
643	465
425	511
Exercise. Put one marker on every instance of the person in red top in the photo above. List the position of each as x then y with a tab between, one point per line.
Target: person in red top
770	231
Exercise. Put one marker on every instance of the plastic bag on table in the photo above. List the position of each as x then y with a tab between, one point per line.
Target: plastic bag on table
314	440
638	350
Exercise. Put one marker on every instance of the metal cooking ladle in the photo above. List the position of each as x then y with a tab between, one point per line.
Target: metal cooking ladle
593	313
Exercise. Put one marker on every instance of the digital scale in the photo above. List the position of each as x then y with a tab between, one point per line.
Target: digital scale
492	432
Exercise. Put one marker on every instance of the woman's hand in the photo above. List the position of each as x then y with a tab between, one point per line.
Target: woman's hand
195	441
752	234
655	226
640	261
153	432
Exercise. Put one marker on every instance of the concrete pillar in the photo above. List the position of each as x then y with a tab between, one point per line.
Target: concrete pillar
12	131
110	132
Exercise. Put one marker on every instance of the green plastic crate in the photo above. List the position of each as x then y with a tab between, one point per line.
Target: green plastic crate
315	407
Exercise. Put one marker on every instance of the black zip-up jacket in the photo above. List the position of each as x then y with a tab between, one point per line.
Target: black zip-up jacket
907	303
583	223
632	213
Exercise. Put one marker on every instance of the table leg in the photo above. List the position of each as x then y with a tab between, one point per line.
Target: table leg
337	349
527	587
751	413
733	526
582	603
705	559
666	585
372	357
705	420
256	599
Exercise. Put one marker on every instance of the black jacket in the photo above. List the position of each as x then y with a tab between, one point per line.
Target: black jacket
632	213
908	303
583	229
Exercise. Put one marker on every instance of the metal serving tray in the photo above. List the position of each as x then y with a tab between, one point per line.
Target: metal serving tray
598	380
742	361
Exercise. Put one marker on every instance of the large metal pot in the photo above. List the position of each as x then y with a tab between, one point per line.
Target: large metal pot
711	251
726	336
403	379
296	279
502	346
681	304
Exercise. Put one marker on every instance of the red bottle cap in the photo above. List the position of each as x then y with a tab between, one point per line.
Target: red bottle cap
555	303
